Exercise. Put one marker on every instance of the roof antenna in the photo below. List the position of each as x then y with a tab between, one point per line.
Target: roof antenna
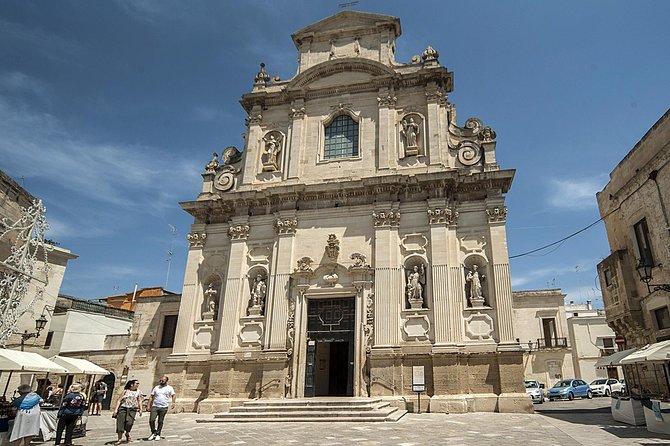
347	4
173	231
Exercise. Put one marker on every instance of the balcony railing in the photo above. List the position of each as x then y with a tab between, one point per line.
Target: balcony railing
543	343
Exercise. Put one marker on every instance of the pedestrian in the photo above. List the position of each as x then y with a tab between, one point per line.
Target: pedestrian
99	394
27	421
159	402
73	406
128	405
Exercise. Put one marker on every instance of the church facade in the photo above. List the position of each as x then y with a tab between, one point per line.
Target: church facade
356	243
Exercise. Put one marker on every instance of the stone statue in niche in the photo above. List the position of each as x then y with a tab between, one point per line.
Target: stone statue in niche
210	298
258	293
410	132
416	279
475	280
271	151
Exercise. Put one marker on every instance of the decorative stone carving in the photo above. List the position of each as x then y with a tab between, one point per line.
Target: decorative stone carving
487	134
304	265
272	148
442	215
411	134
387	101
290	328
262	77
251	333
436	96
238	232
479	326
386	218
258	255
211	297
196	240
224	181
497	214
254	119
258	293
414	243
331	279
474	280
297	113
231	155
469	153
359	261
368	328
416	280
416	327
333	247
286	225
211	166
203	335
430	54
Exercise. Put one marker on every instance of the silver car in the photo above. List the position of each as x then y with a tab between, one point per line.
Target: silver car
534	390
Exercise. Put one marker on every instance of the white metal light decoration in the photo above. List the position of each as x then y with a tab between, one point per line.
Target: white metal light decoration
26	237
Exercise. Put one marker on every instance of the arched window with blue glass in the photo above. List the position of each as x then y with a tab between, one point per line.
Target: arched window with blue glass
341	138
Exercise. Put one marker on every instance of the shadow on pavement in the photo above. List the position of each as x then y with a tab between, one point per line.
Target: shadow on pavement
601	417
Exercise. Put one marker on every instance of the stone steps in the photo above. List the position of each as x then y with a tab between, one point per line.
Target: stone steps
310	410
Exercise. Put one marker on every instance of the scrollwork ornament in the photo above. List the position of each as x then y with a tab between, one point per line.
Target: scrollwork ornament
469	153
224	181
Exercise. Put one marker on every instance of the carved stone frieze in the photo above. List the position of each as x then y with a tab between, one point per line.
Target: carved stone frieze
368	328
286	225
442	216
290	326
386	218
333	247
497	214
238	232
196	239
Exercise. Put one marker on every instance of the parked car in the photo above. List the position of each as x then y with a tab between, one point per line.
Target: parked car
605	387
570	389
534	390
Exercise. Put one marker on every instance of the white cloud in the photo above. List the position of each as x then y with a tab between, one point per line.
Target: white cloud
553	272
206	114
16	81
575	194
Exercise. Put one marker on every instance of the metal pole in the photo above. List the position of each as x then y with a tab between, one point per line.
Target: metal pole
9	378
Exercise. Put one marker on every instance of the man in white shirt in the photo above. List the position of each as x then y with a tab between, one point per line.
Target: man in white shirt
162	397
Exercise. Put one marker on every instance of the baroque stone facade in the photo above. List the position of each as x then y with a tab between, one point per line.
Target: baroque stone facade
359	234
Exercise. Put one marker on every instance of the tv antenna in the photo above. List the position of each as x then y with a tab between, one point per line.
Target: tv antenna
173	231
347	4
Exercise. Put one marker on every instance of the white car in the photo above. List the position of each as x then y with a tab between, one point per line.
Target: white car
605	387
534	390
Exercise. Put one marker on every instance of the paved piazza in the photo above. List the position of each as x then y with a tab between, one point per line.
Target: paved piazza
580	422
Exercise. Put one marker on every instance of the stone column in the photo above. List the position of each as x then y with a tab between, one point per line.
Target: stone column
254	134
447	294
387	150
435	100
497	217
389	287
295	139
277	307
233	286
196	242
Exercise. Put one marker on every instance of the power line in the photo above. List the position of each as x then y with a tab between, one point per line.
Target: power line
558	241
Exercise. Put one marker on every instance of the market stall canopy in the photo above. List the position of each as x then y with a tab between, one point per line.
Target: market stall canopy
76	366
659	351
614	359
16	361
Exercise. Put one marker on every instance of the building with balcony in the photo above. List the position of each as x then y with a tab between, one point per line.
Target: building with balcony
591	338
635	277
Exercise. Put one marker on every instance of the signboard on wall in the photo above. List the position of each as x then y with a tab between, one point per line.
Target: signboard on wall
418	379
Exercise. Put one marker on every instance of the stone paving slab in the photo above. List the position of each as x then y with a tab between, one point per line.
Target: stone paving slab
584	422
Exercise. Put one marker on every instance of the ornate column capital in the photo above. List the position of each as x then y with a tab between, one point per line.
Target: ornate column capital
296	112
388	101
238	232
445	215
497	214
254	119
196	239
386	218
436	96
286	225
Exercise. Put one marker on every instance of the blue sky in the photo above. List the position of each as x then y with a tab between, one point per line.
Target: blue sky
110	109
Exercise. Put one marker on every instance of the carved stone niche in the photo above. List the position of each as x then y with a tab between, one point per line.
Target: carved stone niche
210	304
272	146
258	289
415	281
412	135
476	281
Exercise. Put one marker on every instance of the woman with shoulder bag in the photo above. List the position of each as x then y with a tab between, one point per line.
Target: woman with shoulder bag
74	405
128	405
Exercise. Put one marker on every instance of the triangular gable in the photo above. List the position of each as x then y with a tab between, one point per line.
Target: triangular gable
346	20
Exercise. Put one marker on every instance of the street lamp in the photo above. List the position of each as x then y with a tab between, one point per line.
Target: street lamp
40	323
644	269
530	346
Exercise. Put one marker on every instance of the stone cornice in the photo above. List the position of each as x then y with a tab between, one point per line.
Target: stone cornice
399	187
294	90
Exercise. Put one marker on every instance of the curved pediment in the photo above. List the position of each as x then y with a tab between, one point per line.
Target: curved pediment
340	72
